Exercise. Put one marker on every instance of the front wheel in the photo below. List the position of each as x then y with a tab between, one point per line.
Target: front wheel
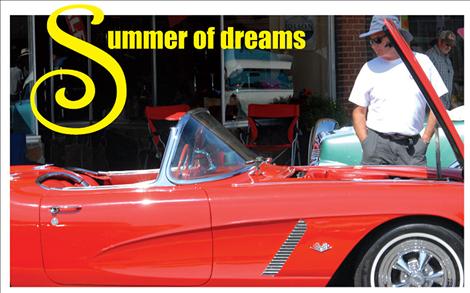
413	255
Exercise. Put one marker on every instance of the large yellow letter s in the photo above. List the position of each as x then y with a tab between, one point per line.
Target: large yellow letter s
95	54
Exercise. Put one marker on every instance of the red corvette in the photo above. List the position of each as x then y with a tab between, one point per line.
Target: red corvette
216	215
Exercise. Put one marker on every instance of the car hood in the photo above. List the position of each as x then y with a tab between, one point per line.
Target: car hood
433	100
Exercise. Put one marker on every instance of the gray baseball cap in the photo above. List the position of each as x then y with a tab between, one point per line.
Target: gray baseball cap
377	23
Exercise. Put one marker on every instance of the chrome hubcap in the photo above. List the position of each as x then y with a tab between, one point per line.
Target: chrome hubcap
416	263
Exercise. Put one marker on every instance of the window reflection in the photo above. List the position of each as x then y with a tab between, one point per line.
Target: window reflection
275	76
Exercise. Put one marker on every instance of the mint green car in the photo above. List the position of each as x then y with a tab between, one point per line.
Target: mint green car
342	147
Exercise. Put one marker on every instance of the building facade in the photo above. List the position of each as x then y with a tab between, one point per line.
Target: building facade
318	77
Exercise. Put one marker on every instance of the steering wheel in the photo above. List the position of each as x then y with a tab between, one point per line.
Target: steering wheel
183	161
72	178
88	173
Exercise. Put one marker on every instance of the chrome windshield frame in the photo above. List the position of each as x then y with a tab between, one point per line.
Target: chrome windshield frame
165	178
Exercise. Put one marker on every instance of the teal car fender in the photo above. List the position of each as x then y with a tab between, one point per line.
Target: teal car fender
342	147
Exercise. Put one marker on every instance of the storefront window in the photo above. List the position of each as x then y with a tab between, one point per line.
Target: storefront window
256	77
276	75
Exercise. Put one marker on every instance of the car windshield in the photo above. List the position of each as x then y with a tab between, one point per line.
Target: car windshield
206	150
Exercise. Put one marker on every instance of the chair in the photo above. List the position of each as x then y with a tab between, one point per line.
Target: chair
273	128
160	119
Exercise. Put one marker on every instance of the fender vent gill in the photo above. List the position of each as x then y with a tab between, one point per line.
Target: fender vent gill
286	249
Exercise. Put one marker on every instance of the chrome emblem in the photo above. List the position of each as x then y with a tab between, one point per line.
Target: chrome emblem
321	247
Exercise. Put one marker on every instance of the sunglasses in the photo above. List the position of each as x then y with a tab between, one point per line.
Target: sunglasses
377	40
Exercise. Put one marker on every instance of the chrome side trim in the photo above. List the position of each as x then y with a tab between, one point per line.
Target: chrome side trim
286	249
171	146
129	172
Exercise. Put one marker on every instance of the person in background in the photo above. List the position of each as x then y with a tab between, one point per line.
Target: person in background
439	55
232	110
390	109
18	74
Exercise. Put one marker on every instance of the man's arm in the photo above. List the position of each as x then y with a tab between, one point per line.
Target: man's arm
429	131
359	122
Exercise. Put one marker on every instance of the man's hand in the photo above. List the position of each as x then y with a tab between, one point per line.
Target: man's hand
359	122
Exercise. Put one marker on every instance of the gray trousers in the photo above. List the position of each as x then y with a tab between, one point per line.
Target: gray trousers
378	149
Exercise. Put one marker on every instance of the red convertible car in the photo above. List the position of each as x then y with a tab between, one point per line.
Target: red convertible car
214	214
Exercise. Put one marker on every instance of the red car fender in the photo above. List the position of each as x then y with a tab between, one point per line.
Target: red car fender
252	221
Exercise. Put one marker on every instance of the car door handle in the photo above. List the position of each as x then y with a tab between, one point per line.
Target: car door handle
64	209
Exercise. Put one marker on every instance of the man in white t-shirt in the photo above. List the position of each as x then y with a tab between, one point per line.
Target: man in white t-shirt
391	109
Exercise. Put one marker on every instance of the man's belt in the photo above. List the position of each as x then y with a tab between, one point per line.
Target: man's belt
398	137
